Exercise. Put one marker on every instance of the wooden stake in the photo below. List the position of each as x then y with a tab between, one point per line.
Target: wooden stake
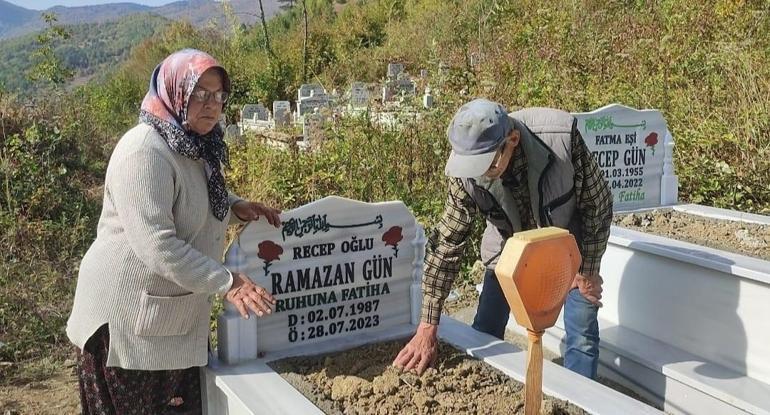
533	388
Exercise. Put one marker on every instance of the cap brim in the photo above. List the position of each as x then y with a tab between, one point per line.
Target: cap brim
464	166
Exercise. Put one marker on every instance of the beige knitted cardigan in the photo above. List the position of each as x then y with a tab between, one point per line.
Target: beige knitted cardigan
156	261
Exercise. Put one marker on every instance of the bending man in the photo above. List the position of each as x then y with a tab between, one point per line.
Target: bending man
521	171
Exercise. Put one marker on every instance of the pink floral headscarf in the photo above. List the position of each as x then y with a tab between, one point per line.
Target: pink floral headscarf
165	109
173	81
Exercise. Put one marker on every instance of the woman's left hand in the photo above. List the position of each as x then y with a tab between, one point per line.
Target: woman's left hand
248	211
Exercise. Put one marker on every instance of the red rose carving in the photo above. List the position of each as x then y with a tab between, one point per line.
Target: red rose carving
651	141
269	251
392	237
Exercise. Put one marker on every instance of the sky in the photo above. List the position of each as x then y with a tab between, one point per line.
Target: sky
44	4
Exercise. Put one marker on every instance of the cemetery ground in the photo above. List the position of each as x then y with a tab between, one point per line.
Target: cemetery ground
48	386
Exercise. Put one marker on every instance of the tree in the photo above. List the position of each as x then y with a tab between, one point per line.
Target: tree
47	66
304	42
264	30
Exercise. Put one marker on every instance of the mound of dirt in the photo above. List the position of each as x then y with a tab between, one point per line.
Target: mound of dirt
362	381
732	236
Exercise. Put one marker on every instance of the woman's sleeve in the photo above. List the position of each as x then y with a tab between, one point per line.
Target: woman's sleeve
142	190
232	199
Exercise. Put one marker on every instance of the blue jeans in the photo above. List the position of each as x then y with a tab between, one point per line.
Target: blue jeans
580	323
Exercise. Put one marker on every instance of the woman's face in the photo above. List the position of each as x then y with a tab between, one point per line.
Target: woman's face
204	108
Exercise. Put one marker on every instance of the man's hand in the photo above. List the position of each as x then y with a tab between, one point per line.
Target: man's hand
245	296
421	351
248	211
590	287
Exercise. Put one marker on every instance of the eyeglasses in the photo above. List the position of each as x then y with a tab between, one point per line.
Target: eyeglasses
202	95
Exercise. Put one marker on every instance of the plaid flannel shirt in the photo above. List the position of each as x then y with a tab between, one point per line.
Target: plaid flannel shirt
447	241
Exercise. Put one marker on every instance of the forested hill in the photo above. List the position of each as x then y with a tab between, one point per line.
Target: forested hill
17	21
93	49
13	16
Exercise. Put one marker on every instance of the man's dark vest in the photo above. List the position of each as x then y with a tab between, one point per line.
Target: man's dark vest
546	139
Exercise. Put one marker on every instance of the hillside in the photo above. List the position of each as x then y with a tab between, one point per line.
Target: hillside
13	16
93	49
17	21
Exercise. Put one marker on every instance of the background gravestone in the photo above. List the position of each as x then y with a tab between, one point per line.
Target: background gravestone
261	112
233	134
405	87
307	90
337	267
281	113
248	112
309	104
394	69
427	99
359	95
313	129
634	150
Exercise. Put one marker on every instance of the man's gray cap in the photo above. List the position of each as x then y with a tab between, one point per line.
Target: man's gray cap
476	132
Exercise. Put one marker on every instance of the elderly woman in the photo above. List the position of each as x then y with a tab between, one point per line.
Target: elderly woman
140	319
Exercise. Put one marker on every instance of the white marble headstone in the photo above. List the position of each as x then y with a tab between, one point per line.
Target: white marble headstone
427	99
337	267
249	111
405	87
307	90
359	95
309	104
233	133
281	113
261	113
313	128
394	69
630	146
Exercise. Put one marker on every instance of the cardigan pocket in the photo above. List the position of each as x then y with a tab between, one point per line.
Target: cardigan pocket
168	316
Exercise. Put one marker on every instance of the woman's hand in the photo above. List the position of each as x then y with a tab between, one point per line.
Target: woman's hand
248	211
245	296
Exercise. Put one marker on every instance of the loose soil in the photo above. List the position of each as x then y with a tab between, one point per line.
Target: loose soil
362	381
732	236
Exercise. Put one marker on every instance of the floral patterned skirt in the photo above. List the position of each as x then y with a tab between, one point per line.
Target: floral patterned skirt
113	390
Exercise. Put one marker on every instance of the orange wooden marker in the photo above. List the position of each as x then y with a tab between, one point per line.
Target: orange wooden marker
535	270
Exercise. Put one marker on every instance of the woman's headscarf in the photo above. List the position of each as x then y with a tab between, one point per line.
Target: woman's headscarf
165	108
